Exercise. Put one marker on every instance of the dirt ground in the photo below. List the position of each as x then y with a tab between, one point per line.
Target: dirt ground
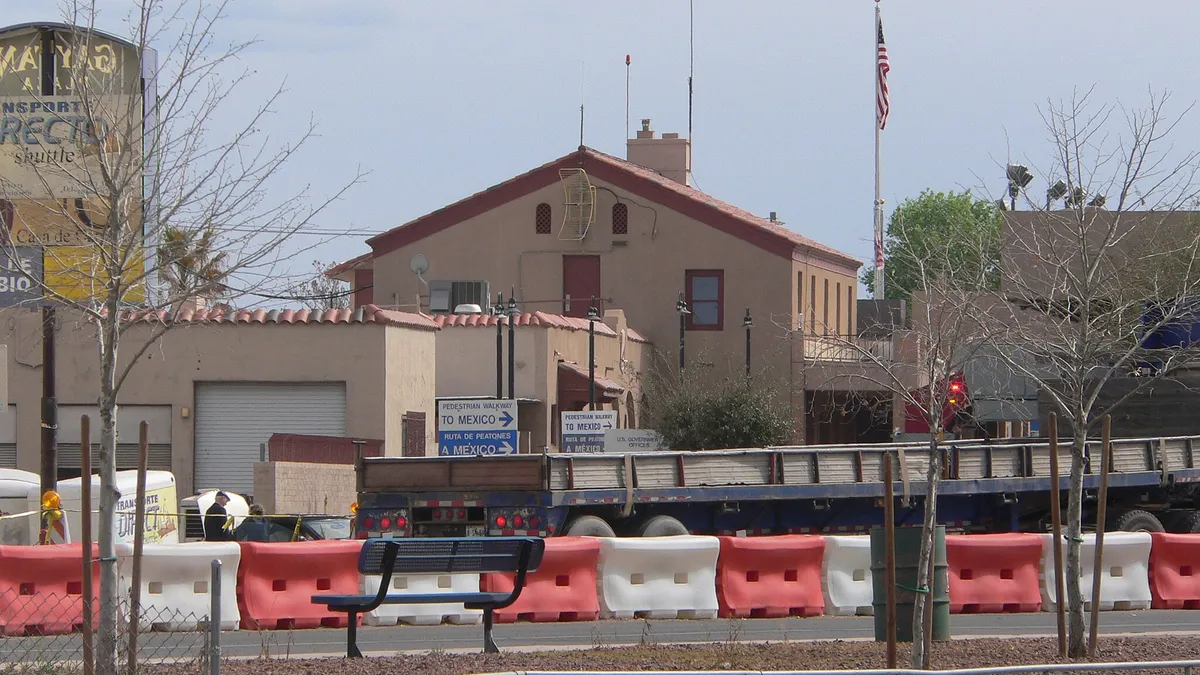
788	656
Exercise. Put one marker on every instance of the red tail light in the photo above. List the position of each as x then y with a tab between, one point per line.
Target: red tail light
437	514
518	521
401	522
533	521
501	521
385	522
368	523
462	514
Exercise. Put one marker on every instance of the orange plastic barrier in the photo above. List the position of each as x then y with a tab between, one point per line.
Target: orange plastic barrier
276	582
1174	571
41	589
562	589
993	573
764	577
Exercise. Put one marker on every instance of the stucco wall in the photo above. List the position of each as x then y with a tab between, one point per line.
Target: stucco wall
411	381
167	372
642	273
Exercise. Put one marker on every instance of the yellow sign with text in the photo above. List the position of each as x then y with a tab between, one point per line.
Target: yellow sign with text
78	273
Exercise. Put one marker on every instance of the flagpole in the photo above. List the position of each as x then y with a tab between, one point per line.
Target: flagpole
879	294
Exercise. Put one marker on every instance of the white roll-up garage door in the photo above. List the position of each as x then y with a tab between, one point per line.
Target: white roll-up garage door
232	420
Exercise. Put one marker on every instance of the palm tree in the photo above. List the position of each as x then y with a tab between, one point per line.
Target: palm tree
190	264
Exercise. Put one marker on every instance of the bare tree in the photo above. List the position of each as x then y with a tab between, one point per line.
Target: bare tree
321	291
1087	287
136	182
920	366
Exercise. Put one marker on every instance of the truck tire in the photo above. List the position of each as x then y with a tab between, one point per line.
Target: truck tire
589	526
1134	520
662	526
1182	522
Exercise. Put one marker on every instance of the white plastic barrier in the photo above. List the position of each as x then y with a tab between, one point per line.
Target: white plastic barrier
423	614
659	577
175	583
846	576
1125	584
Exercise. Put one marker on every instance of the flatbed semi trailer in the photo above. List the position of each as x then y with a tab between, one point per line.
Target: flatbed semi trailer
987	486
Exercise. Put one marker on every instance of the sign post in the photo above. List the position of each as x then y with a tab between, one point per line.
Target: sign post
477	427
583	432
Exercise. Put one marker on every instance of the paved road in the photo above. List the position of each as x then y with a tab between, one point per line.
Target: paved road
611	633
378	641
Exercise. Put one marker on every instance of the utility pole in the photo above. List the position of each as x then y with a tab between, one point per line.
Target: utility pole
49	465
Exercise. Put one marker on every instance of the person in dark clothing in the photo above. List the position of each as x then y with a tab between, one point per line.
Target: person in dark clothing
254	528
215	519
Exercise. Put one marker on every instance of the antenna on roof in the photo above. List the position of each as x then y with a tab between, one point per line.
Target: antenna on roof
691	60
581	92
626	97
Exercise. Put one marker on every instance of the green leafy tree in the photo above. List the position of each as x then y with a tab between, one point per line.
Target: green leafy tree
952	223
696	409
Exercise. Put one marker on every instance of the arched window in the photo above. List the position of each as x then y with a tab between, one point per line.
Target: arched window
542	218
620	217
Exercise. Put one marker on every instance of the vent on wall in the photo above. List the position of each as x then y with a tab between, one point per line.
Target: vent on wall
444	296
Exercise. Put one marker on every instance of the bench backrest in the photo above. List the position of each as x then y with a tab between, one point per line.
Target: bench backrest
450	556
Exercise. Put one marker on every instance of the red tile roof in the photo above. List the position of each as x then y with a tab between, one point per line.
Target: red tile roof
628	176
541	319
581	372
362	315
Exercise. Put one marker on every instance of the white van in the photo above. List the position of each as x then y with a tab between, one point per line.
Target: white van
162	508
193	509
20	493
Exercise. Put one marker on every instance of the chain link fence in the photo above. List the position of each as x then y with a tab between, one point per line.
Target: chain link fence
44	634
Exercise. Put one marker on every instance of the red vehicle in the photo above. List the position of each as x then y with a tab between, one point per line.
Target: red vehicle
957	400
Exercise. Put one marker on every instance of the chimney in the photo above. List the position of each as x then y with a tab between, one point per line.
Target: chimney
670	155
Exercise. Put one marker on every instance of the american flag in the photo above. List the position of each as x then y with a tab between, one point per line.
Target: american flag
882	106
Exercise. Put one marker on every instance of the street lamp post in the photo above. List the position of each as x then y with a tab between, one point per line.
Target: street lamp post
498	312
512	348
592	315
682	308
748	323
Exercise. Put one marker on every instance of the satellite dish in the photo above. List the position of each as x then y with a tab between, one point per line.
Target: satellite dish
419	264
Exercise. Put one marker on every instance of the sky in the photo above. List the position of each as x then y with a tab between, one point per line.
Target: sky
440	100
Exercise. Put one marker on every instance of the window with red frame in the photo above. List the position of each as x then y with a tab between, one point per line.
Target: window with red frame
705	299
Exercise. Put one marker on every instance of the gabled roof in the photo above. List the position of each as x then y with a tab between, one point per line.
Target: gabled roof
361	315
636	179
351	264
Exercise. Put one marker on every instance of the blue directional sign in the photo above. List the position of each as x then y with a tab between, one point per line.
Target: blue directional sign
477	427
583	431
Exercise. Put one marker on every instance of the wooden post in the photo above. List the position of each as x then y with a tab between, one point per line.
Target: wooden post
889	543
139	526
85	538
1060	607
1101	499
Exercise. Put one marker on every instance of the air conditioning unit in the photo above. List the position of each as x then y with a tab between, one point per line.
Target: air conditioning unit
444	296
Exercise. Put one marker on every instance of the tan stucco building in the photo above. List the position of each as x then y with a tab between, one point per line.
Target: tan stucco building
217	386
634	234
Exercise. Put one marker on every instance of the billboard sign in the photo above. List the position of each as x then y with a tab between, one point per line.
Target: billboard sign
52	147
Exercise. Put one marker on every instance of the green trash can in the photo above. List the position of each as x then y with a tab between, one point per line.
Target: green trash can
908	553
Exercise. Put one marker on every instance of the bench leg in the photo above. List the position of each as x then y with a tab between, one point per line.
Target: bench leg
489	645
352	651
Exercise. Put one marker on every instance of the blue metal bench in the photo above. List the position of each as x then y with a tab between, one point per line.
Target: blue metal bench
386	557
